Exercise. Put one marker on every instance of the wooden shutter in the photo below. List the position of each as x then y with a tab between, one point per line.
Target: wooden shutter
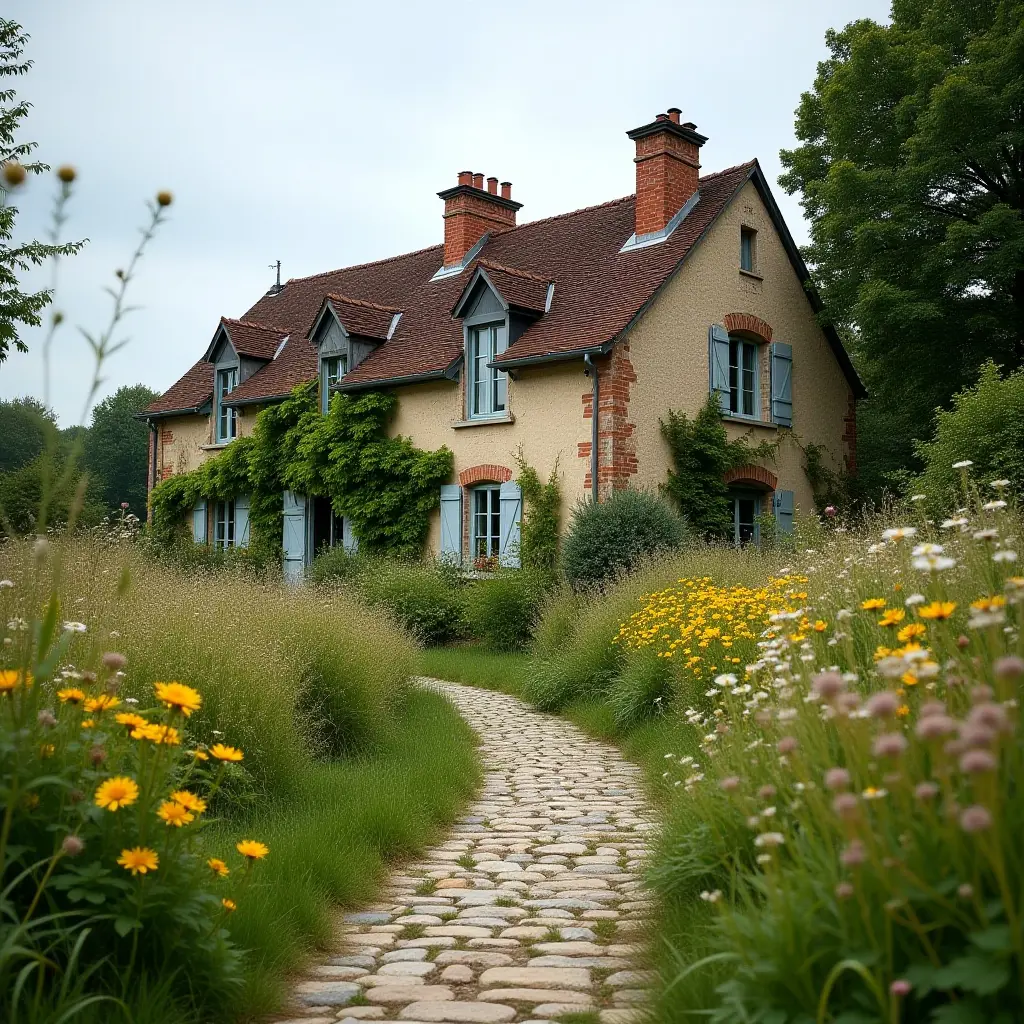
782	383
451	523
349	541
242	521
293	540
511	503
784	508
718	361
199	522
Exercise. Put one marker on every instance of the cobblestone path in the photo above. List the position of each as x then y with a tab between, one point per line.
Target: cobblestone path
530	909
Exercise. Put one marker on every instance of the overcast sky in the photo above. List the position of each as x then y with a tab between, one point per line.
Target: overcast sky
318	133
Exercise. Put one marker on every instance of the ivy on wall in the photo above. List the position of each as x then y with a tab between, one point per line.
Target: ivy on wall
538	531
385	486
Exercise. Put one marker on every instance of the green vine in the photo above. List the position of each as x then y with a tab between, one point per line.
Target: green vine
538	531
384	485
827	486
701	455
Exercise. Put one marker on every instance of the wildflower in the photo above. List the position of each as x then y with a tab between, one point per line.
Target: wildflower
965	891
994	506
11	679
871	793
899	533
139	859
837	779
189	801
999	484
787	745
229	905
71	695
915	599
252	849
854	854
158	734
882	704
873	604
115	793
766	792
225	753
937	610
104	702
933	563
918	497
770	839
928	549
72	845
975	819
889	744
1010	667
87	723
174	814
844	890
6	584
975	762
933	727
114	661
900	988
911	631
711	897
985	535
179	697
200	755
1006	555
218	867
46	718
729	783
925	791
75	627
164	198
828	685
130	720
892	616
963	464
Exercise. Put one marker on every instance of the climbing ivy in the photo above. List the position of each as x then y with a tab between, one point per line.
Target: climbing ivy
384	485
701	456
538	531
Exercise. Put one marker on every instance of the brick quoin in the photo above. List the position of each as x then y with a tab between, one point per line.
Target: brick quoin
748	324
489	473
850	436
752	475
616	444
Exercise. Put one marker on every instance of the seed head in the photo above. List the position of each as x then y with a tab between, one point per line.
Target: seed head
72	845
97	754
975	818
46	718
114	660
14	174
164	198
66	173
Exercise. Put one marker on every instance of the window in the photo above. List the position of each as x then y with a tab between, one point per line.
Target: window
224	531
227	424
485	523
332	369
747	253
743	360
487	391
746	507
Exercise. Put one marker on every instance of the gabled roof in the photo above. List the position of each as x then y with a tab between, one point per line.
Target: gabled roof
253	340
600	291
188	395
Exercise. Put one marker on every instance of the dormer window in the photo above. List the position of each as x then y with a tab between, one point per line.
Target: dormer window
332	369
487	387
227	416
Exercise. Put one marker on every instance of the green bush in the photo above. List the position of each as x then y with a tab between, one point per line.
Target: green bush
502	610
336	565
425	598
642	689
610	537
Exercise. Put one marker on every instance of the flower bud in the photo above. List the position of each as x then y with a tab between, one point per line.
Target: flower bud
66	173
900	988
164	198
97	755
72	845
965	891
46	718
114	661
14	174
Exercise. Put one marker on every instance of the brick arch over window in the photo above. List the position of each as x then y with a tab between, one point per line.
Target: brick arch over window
757	476
748	324
489	474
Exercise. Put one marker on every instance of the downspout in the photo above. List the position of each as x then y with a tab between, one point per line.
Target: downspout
152	459
591	371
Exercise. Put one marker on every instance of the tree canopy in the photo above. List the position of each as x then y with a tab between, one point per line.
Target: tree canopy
911	171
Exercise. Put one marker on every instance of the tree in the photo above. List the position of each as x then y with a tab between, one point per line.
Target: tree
18	307
26	426
911	171
117	448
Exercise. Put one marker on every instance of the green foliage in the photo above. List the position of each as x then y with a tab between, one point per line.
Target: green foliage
610	537
18	307
642	689
384	485
503	608
425	598
910	172
25	427
827	486
701	455
336	565
116	448
538	531
986	426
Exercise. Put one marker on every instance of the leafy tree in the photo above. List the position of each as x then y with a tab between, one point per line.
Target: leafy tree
25	427
16	306
911	171
117	448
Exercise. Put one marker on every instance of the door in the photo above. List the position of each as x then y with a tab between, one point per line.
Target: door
294	537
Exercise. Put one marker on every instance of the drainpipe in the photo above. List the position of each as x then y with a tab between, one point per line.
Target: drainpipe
152	458
591	371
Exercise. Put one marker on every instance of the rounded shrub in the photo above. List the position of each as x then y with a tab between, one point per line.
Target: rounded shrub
335	565
503	609
427	599
611	537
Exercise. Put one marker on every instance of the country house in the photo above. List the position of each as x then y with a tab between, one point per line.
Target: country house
509	336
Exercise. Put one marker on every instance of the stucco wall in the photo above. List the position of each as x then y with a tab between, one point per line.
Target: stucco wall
669	348
184	441
547	407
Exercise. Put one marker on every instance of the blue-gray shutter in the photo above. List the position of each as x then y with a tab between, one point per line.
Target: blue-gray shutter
242	521
782	383
784	511
293	539
199	522
718	361
451	523
510	499
349	541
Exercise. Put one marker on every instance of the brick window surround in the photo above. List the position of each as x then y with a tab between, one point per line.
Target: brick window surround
485	474
747	323
755	476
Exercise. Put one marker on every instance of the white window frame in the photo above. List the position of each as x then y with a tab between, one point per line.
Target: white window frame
227	415
739	350
486	386
224	525
328	378
490	518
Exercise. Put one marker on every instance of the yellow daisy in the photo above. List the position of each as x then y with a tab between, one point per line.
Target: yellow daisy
223	752
218	867
252	849
189	801
179	697
174	814
113	794
71	695
139	859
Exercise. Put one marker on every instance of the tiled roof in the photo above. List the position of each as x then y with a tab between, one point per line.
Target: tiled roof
598	292
190	393
258	341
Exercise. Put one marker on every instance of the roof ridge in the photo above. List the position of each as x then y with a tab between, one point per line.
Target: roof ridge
253	324
372	263
337	297
514	271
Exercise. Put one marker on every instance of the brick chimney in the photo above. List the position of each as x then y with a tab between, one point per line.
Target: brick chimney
470	211
667	169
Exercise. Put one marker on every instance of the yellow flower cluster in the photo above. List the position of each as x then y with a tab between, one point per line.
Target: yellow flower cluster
699	623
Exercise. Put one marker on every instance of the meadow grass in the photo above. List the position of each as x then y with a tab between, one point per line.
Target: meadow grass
476	665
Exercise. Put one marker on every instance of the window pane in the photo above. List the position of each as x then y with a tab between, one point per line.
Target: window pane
734	405
495	538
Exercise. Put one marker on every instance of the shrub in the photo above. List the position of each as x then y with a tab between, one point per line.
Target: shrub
613	536
502	610
336	565
426	599
539	531
642	689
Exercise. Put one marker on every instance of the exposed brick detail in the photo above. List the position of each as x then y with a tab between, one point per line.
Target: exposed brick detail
757	475
850	436
616	444
667	171
748	324
489	473
469	214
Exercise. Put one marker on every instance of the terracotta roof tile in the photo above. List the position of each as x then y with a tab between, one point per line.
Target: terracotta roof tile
294	366
364	318
258	341
192	392
518	288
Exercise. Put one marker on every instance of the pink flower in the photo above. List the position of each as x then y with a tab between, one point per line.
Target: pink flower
977	761
787	745
981	694
975	818
848	702
900	988
124	504
989	716
890	744
766	792
925	791
854	854
845	805
934	727
976	734
883	704
730	783
830	511
844	890
931	707
1009	668
837	779
828	685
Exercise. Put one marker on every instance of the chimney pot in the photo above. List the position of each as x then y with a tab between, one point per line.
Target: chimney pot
673	114
506	190
470	212
478	181
492	186
690	125
662	117
465	177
